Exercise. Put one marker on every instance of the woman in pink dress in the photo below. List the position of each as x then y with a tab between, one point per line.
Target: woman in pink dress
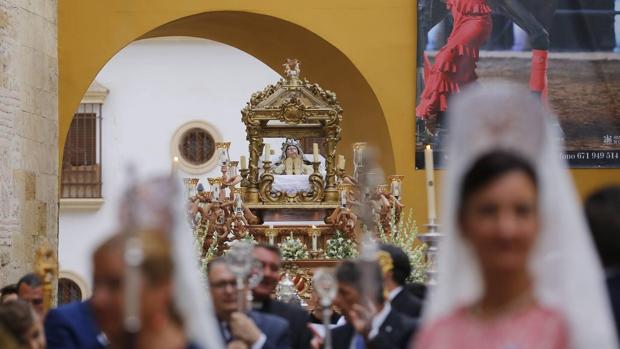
516	266
455	64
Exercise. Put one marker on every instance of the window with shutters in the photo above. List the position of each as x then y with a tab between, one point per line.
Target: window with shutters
81	166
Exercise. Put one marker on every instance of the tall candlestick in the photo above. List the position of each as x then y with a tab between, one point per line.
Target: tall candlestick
341	161
267	152
242	162
315	152
430	182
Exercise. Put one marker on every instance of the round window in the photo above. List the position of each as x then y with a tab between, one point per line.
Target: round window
197	146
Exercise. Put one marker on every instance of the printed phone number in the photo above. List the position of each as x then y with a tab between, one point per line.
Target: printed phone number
592	155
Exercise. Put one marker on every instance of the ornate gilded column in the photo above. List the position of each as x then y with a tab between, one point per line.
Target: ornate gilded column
255	148
332	138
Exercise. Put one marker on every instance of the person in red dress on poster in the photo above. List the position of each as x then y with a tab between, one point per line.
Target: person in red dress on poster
455	64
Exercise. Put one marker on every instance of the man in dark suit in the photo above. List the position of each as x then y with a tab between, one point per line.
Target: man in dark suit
394	282
253	329
297	318
73	326
603	213
371	321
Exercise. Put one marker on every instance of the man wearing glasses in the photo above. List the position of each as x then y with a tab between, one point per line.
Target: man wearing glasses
253	329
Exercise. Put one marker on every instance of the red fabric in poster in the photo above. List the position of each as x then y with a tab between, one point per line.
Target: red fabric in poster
455	64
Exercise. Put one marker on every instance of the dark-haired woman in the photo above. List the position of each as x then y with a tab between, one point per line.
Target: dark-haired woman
516	267
499	218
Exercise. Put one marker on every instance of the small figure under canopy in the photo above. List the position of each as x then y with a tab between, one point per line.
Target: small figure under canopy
292	160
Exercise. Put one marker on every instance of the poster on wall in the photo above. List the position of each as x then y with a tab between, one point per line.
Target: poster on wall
567	51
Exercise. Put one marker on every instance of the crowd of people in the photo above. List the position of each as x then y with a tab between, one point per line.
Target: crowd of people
518	265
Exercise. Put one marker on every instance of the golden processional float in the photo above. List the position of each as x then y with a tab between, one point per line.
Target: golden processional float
308	206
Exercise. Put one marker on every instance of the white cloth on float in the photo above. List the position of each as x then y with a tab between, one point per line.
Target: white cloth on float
290	184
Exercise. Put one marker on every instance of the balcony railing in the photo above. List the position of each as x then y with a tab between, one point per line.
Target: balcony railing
81	182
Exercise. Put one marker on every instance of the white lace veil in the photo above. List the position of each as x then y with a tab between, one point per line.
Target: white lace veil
564	264
158	203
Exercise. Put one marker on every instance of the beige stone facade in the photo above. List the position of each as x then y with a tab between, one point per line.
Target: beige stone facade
28	133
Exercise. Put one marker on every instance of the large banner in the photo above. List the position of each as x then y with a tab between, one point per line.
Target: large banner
460	40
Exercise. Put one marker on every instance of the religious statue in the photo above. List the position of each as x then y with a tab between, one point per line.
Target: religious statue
291	68
292	160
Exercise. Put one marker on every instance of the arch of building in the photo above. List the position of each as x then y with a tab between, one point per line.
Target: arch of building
364	50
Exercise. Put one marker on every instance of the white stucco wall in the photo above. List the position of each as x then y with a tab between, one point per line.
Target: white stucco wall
155	86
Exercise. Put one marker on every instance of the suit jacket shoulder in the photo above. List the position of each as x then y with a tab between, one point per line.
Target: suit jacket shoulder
72	326
275	329
407	304
342	336
297	320
395	332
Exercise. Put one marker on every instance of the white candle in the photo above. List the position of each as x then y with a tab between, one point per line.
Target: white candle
430	182
267	152
315	151
242	162
343	198
314	242
341	161
238	202
395	189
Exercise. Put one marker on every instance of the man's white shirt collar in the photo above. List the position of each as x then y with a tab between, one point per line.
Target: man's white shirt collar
393	293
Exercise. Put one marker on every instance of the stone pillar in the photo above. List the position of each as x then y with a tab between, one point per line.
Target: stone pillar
28	133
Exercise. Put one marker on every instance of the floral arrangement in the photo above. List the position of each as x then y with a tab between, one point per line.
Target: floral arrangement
340	247
405	235
293	248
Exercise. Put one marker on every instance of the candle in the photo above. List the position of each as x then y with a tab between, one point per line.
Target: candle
314	237
343	198
395	189
271	237
315	151
430	182
267	152
341	162
238	202
242	162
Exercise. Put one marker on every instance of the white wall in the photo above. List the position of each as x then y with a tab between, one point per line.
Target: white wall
156	85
